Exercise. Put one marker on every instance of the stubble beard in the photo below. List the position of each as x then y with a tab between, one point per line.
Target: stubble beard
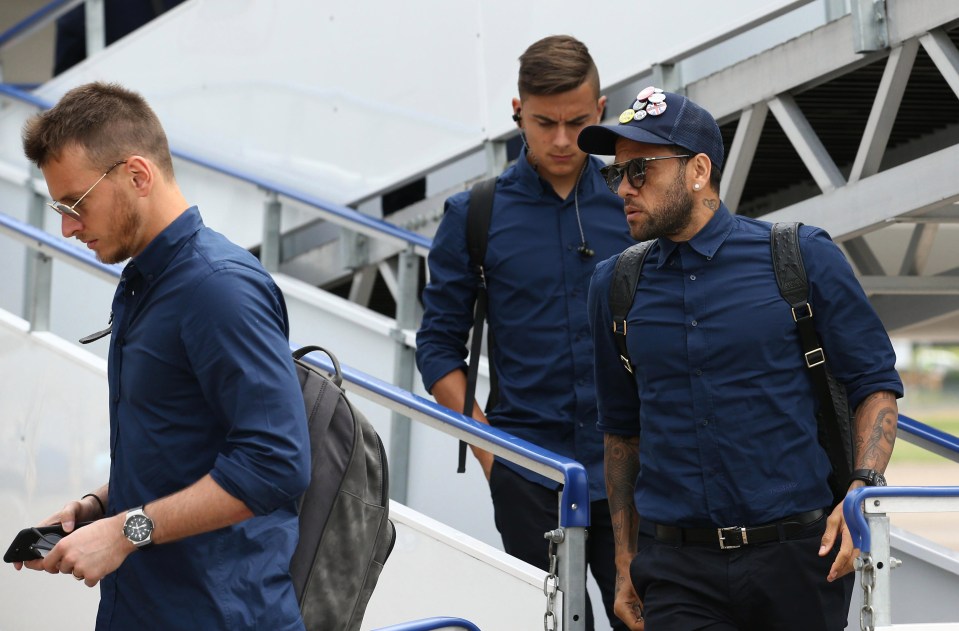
127	229
672	216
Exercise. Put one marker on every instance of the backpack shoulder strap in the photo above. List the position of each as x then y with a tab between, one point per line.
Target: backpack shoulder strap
622	290
788	264
833	416
478	215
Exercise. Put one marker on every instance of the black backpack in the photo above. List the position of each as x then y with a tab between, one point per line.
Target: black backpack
345	531
833	418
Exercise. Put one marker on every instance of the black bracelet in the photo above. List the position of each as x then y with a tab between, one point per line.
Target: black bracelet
103	509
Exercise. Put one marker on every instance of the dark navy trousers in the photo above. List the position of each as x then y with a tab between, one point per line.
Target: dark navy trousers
777	586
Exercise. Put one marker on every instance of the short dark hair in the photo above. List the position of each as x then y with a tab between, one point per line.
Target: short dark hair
555	64
106	120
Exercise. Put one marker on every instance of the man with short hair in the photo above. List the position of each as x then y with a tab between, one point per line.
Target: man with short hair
208	437
552	219
717	483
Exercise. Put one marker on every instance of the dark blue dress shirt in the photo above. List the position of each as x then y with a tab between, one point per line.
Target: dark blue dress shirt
721	398
202	381
538	282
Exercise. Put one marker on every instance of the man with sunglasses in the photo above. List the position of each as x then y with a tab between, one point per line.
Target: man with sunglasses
209	449
552	219
717	484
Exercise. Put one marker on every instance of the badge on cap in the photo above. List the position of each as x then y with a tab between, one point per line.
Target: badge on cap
657	97
639	115
639	105
626	116
645	93
655	109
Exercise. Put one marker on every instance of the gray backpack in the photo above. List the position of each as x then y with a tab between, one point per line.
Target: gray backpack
345	531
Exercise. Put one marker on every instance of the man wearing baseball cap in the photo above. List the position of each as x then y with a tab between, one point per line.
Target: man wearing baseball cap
717	483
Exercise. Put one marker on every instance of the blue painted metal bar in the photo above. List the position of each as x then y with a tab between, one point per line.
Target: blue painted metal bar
359	221
575	503
38	19
574	509
43	241
856	520
429	624
930	438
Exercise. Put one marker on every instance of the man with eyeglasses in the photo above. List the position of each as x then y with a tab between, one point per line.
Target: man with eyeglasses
209	449
711	431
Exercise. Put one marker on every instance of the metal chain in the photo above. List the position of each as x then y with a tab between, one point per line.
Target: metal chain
551	582
868	581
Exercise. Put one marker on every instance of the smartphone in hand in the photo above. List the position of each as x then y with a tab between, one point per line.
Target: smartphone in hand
34	543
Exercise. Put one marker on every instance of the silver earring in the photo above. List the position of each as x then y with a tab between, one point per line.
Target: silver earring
696	186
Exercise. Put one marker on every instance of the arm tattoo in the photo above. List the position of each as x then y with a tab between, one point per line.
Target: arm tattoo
875	430
622	465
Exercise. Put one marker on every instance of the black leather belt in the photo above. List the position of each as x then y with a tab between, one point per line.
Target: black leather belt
733	536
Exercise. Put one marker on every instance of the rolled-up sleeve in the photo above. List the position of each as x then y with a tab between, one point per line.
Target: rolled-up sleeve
857	346
236	341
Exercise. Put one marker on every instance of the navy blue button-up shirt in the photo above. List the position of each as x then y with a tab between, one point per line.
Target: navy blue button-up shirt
202	381
537	283
721	398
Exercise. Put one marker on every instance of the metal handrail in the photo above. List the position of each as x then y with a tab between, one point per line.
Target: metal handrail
574	511
36	20
42	242
574	502
336	213
856	520
929	438
429	624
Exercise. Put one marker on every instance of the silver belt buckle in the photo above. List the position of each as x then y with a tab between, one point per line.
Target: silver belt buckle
722	532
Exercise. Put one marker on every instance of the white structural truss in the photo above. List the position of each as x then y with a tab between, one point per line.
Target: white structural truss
891	206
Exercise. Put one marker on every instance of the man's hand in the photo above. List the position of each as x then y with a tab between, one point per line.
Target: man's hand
68	516
628	607
89	553
836	529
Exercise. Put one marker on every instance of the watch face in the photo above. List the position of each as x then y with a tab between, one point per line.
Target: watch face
880	480
138	528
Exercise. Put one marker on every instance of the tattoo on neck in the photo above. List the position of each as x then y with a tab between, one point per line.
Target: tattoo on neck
711	204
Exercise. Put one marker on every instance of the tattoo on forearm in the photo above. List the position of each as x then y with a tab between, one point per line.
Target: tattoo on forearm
622	466
876	422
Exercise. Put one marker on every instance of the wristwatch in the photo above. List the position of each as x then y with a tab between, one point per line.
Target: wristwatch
870	476
138	528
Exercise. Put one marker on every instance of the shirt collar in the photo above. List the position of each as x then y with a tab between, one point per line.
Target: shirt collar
707	241
160	251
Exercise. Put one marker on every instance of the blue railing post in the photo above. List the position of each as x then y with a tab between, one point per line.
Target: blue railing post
866	511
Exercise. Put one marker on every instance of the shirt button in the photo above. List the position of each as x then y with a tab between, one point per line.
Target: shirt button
705	422
692	277
698	372
695	323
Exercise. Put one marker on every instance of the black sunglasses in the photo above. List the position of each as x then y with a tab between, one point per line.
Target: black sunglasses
635	171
